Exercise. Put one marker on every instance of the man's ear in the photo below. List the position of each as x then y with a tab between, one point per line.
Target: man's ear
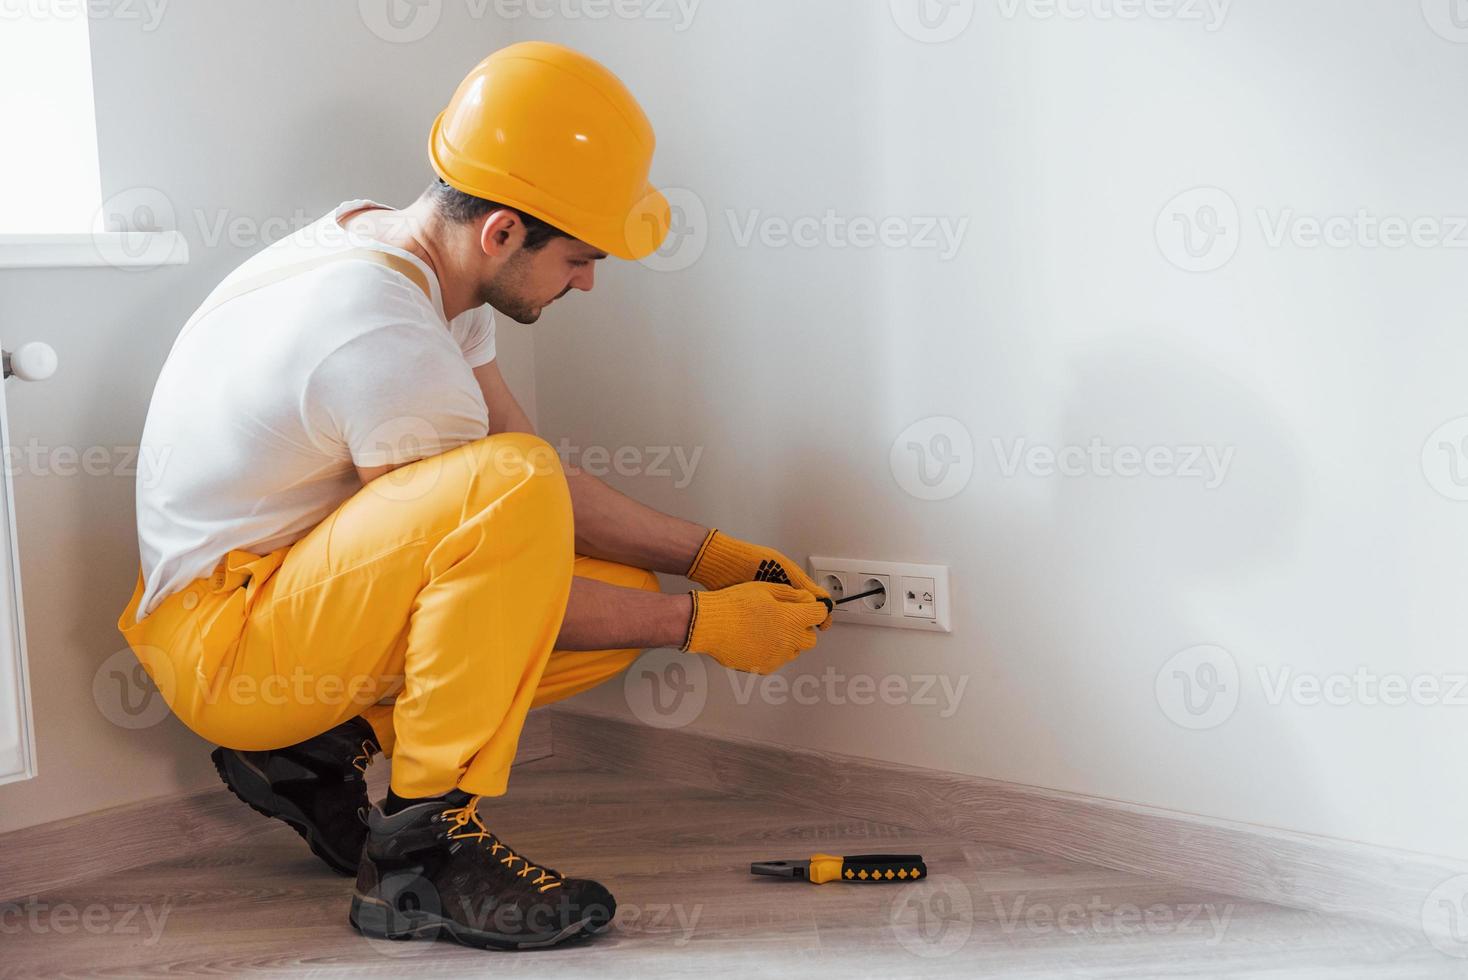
501	233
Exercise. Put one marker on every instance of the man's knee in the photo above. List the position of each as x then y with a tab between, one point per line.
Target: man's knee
515	453
517	462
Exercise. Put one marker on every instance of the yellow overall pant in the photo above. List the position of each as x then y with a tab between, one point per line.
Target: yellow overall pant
429	603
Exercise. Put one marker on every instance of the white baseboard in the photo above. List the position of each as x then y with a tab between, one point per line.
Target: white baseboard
1291	869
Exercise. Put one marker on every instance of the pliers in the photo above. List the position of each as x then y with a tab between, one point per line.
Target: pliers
822	868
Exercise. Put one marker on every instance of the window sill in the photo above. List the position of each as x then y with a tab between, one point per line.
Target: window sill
113	249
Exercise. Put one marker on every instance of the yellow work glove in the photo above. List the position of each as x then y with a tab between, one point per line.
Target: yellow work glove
723	561
757	627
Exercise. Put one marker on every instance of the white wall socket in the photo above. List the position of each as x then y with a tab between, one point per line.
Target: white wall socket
916	598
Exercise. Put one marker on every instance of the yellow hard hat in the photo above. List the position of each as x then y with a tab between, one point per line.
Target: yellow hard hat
547	130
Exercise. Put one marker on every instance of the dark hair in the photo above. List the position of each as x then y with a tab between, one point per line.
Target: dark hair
459	207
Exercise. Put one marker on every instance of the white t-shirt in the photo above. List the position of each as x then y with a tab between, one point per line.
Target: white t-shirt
268	403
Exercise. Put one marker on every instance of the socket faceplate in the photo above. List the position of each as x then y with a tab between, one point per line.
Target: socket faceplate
851	573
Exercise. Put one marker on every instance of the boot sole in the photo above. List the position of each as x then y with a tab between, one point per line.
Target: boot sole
374	917
251	786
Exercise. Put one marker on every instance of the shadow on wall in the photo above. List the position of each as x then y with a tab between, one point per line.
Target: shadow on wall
1222	497
1160	557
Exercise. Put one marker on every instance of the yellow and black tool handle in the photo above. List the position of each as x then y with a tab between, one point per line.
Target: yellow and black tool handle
866	867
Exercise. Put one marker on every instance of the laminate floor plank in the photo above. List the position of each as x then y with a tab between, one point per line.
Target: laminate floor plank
677	859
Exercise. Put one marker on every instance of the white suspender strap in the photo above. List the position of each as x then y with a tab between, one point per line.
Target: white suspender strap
387	260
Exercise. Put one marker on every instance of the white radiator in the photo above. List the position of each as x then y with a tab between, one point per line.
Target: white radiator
33	362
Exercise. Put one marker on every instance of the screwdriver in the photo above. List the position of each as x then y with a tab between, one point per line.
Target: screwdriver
831	606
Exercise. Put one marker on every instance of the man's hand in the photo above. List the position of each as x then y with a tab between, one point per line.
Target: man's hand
724	561
757	627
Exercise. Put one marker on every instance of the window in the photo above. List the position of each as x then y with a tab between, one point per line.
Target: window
49	178
51	201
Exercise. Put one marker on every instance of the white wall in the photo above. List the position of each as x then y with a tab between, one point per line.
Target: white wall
794	370
1324	370
265	115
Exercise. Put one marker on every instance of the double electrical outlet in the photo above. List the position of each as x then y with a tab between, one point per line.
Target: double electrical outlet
912	597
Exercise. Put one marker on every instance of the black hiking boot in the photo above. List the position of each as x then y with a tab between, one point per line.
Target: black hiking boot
318	786
434	870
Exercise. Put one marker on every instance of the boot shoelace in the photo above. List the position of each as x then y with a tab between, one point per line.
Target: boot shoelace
468	814
360	762
363	758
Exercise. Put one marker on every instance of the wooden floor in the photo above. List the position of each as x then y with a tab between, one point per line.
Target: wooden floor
677	859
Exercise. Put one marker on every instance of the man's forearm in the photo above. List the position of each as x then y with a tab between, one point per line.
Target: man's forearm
600	616
614	527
